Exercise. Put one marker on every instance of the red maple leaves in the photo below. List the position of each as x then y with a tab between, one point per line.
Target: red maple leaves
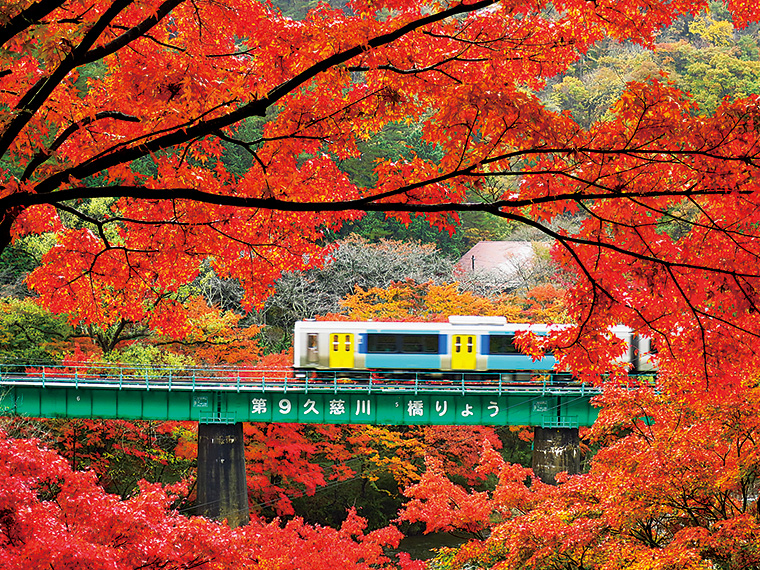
51	516
228	147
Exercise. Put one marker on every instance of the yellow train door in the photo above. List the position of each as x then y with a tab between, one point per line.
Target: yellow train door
463	354
341	350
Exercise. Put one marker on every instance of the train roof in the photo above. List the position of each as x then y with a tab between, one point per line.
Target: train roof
455	323
463	324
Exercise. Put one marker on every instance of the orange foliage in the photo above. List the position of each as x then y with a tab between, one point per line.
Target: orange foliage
143	104
286	461
167	146
410	301
542	304
674	486
213	336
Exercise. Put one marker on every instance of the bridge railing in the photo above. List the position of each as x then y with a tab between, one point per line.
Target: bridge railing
284	380
143	377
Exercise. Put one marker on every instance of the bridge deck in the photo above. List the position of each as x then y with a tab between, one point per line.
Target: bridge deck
227	395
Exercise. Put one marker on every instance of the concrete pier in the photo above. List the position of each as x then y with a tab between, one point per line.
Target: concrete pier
556	450
222	490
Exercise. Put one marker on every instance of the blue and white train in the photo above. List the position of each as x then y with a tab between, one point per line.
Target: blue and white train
464	344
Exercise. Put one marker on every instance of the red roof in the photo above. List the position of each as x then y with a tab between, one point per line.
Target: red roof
503	256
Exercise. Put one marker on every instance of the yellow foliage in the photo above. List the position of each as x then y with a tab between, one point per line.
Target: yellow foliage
718	33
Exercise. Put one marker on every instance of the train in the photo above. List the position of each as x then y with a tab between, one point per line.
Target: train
470	345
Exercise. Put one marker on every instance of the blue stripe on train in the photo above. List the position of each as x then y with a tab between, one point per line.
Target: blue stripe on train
403	361
518	362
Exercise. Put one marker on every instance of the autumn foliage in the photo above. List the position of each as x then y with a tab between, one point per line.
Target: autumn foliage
150	136
54	517
288	461
149	142
675	486
410	301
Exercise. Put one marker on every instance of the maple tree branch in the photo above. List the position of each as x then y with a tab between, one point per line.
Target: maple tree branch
362	204
99	224
182	133
474	171
248	243
199	128
731	234
415	71
156	41
30	103
369	203
27	17
470	130
55	180
43	155
187	146
132	34
736	278
295	134
566	241
341	57
516	41
248	146
669	266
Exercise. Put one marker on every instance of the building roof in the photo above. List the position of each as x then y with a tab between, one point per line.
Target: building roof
506	257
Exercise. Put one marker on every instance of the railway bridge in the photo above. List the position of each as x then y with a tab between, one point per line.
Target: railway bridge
220	399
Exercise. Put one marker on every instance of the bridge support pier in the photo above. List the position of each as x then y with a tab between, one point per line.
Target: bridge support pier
222	490
556	450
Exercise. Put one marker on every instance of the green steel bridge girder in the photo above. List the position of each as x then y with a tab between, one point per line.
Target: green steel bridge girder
342	405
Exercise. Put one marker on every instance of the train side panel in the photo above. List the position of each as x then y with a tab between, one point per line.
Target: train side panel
390	348
407	346
461	345
503	354
323	345
519	362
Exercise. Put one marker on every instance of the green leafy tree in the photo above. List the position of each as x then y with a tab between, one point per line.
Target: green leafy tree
30	334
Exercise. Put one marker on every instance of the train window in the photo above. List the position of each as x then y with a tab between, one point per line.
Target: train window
381	343
348	343
403	343
312	350
335	343
419	343
502	344
470	341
